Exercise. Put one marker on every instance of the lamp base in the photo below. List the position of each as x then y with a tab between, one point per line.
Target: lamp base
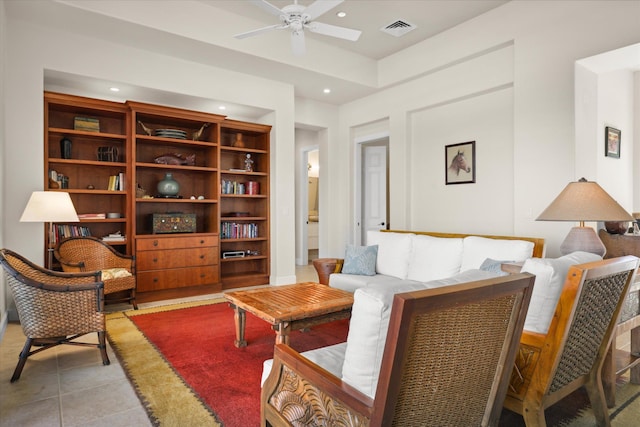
582	239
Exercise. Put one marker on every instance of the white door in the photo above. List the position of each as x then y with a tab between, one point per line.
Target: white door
374	189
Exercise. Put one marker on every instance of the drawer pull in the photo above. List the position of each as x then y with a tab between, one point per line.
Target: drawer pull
201	256
155	243
155	280
201	242
155	260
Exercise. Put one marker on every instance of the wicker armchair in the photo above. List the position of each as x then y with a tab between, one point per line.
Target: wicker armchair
572	352
444	364
54	308
90	254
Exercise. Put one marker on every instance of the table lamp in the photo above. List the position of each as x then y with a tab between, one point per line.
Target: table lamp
584	201
49	206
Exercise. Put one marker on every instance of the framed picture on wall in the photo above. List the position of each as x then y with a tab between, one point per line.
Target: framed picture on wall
460	163
612	142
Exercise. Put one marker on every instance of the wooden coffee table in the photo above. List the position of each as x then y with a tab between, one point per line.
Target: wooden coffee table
289	307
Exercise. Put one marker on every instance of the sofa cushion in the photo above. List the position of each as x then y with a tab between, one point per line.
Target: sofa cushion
368	333
351	282
360	260
370	322
494	266
434	258
477	249
329	358
393	252
550	277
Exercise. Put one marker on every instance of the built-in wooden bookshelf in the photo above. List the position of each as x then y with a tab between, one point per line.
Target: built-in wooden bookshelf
139	144
85	175
244	210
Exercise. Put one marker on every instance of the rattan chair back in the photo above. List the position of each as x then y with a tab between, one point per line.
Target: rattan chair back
447	361
572	353
54	308
85	253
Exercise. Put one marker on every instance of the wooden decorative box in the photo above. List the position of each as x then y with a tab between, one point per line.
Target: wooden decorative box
174	223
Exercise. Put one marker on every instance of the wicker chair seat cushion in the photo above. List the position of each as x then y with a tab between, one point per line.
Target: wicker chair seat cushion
550	277
115	273
330	358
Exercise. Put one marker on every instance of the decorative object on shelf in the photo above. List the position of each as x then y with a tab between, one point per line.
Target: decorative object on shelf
612	141
49	207
616	227
65	148
236	214
140	192
174	223
145	129
171	133
91	187
176	159
460	163
238	143
53	184
108	154
168	186
583	201
87	124
198	134
233	254
248	163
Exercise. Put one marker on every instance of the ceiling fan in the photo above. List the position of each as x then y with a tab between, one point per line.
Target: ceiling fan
297	18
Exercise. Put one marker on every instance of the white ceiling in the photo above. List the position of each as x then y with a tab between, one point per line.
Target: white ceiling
202	31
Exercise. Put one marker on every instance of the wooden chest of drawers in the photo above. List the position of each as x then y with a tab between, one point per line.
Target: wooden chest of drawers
169	262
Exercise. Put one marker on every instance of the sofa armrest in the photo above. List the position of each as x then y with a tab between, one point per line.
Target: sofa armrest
298	390
326	266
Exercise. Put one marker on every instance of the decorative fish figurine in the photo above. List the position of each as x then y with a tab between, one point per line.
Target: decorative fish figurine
197	134
176	159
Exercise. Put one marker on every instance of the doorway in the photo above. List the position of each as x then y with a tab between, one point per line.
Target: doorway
374	187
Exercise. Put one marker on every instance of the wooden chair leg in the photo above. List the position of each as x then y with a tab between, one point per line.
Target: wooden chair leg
133	299
534	417
102	345
24	354
598	401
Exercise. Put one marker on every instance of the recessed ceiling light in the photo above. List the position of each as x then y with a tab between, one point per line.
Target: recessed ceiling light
327	90
341	14
222	107
114	89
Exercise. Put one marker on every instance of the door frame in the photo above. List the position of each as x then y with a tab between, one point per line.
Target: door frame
359	143
302	243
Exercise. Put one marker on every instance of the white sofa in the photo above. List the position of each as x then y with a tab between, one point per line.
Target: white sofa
357	361
404	258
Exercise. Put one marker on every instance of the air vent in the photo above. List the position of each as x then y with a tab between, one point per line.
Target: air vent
398	28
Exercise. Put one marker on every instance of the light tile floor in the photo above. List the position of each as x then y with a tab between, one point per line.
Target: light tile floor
68	386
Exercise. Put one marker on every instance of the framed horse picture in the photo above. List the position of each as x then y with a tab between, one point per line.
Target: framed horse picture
612	142
460	163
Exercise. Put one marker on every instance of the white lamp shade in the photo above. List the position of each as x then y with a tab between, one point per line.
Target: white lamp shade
49	206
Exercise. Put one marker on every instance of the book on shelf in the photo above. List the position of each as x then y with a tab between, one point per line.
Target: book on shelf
114	237
62	231
116	182
92	216
86	123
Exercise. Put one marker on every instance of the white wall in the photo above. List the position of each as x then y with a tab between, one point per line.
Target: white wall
521	54
32	48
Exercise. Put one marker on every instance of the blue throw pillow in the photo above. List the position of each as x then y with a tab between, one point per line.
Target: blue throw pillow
360	260
494	266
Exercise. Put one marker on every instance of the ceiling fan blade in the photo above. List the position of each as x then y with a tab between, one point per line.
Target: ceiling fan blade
297	43
260	31
320	7
267	7
334	31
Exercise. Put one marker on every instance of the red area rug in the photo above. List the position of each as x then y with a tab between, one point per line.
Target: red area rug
198	343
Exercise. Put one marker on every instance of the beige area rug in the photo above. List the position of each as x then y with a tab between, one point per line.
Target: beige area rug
167	399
